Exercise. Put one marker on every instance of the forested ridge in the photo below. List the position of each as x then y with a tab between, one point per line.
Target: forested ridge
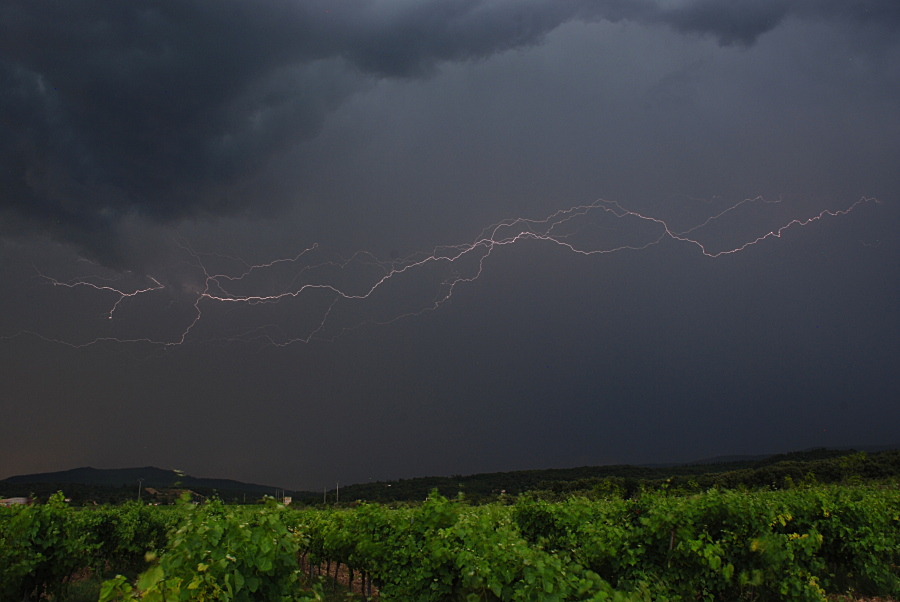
773	472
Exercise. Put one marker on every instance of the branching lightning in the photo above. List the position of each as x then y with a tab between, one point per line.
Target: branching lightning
314	295
120	295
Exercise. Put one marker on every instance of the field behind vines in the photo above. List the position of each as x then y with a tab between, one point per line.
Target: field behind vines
804	543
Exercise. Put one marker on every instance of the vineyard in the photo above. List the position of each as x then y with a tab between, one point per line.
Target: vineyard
799	544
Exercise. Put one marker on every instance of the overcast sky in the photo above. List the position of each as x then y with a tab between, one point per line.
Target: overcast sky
153	152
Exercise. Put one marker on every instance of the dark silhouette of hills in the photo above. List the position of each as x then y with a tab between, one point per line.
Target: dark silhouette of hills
150	476
119	484
817	453
115	485
726	471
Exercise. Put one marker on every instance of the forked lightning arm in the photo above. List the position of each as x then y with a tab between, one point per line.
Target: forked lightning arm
456	264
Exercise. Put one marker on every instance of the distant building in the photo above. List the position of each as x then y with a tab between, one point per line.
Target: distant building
16	501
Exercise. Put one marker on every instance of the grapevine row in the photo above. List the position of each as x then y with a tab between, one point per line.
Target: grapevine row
792	544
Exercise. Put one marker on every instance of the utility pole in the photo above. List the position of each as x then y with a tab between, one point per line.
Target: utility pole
337	492
140	482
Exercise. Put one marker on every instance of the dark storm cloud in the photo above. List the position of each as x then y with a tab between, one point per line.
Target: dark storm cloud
163	109
151	108
741	22
738	22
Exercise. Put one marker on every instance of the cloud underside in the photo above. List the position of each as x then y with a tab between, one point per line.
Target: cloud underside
162	109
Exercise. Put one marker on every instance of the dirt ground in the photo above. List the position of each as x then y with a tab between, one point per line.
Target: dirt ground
342	574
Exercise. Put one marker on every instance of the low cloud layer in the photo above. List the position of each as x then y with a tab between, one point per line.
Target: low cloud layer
163	109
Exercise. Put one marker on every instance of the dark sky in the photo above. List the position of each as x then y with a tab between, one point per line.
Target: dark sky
153	152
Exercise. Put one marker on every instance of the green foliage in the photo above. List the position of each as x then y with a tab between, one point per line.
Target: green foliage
222	553
40	547
717	545
123	535
445	550
729	545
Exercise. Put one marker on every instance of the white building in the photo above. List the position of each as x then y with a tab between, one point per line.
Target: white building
12	501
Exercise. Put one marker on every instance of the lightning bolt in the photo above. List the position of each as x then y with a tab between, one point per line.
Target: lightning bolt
316	295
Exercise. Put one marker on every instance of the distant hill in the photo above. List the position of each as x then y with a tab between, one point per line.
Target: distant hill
816	453
150	475
119	484
726	460
113	485
483	486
